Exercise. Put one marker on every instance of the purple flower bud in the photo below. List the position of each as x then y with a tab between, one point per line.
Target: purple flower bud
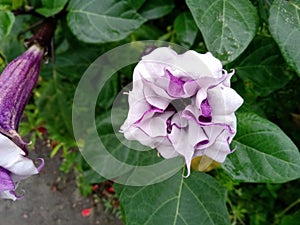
182	105
16	84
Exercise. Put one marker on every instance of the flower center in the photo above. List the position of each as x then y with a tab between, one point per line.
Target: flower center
179	104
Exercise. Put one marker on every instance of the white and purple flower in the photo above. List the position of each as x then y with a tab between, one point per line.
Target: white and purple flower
16	84
182	105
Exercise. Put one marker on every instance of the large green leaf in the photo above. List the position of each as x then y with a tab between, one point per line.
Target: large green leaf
284	25
227	26
102	21
51	7
262	67
185	29
7	20
197	200
263	152
154	9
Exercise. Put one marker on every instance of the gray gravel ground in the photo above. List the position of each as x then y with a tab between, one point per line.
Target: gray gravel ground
51	198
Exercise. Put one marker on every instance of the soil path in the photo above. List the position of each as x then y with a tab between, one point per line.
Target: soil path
51	198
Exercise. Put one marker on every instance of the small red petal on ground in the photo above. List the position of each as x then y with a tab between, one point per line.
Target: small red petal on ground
95	187
42	130
86	212
111	190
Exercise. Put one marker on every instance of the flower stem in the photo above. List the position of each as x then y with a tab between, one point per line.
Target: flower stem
44	35
288	208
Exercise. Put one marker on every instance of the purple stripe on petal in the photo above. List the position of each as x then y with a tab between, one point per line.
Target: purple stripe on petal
177	121
6	183
171	125
175	88
151	110
205	108
200	143
227	127
228	142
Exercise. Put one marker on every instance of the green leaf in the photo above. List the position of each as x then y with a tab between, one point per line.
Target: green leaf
54	3
154	9
185	29
102	21
227	26
263	152
290	219
51	7
262	67
108	93
6	2
92	177
16	4
10	4
284	25
147	32
73	62
136	4
10	45
7	20
263	8
197	200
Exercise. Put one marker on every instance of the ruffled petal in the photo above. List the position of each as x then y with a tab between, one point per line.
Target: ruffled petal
138	107
207	64
9	195
166	149
184	143
13	160
218	150
156	96
223	100
190	88
156	125
178	121
192	63
137	134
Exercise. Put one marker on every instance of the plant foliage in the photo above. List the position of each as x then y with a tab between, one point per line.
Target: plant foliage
259	39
